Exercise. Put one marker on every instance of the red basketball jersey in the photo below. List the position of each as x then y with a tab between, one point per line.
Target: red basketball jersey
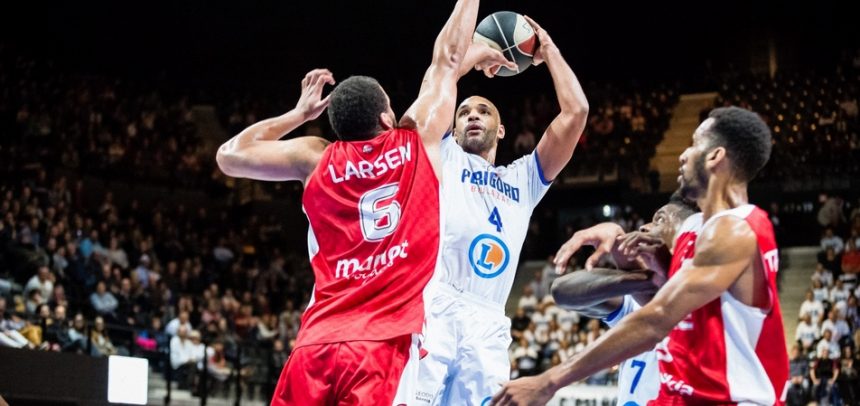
726	352
373	209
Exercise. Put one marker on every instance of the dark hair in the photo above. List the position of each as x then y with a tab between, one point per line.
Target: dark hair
745	136
356	104
687	207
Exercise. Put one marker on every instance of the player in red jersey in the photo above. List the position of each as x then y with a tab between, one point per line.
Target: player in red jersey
372	201
719	308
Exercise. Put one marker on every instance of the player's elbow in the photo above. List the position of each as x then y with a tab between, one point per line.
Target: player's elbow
448	56
576	110
226	160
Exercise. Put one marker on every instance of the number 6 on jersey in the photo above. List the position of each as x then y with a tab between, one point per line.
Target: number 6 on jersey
379	220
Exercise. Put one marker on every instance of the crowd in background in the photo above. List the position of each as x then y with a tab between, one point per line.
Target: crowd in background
828	332
150	279
814	120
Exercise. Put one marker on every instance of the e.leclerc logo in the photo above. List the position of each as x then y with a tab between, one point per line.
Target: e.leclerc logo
488	256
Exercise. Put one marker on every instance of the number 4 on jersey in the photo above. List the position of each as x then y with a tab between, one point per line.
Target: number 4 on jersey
496	220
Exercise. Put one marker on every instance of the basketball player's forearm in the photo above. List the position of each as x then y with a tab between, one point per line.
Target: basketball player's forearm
454	39
583	290
571	97
271	129
639	332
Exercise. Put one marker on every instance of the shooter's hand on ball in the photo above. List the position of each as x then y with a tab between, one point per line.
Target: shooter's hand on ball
546	44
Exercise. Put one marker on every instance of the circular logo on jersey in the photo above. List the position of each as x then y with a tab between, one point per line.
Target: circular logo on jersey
488	256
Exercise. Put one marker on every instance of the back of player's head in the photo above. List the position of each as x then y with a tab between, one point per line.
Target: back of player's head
745	136
355	107
686	208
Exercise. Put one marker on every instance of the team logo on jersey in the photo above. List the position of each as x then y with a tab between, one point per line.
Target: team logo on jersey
488	256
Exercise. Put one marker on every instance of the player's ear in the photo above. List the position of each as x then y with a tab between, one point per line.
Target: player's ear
501	132
386	121
715	157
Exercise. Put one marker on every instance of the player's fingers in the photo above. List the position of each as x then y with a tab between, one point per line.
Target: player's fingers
324	102
604	248
563	256
533	23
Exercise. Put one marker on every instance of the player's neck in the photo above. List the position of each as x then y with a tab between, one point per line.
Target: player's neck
489	155
722	194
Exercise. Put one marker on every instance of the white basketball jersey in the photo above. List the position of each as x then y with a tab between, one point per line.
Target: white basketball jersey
486	218
639	377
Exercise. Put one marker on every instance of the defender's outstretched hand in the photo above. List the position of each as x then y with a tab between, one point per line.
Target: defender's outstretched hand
311	104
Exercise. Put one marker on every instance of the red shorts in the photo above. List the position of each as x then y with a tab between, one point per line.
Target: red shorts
350	373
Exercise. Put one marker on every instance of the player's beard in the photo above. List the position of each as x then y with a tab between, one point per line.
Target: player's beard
478	145
694	187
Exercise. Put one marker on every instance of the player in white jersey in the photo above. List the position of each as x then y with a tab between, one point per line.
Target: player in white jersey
485	215
611	294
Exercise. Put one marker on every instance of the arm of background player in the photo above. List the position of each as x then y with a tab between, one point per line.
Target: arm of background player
558	141
723	252
257	153
433	111
599	292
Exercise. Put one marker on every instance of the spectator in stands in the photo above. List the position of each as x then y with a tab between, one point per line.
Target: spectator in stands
528	301
837	327
267	330
182	358
217	365
830	214
116	254
797	393
58	331
828	345
831	262
180	321
839	293
822	275
9	335
820	292
519	324
831	240
103	302
34	300
852	312
101	341
43	281
78	335
851	262
824	372
526	357
142	272
848	382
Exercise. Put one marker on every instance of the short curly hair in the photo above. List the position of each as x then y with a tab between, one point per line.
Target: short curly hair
746	138
355	106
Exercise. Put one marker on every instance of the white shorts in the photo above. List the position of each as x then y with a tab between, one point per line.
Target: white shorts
467	340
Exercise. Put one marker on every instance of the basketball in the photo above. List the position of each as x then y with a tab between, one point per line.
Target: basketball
511	34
